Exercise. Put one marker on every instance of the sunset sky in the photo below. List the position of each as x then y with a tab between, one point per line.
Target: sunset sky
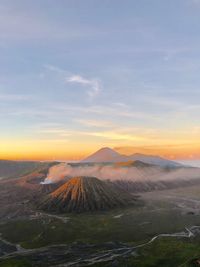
76	75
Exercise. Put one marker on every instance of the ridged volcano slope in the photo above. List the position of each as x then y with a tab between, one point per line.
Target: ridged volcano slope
131	163
82	194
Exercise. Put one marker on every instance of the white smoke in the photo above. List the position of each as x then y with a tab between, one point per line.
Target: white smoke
64	170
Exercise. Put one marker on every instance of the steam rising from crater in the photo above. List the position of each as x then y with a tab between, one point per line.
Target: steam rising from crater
112	172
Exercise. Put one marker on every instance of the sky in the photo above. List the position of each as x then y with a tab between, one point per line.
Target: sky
78	75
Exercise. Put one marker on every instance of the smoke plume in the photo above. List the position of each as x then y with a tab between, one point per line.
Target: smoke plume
112	172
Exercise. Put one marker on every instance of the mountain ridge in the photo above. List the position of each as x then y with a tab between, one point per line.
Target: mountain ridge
107	154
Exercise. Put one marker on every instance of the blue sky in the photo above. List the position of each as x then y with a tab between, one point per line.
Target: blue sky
83	74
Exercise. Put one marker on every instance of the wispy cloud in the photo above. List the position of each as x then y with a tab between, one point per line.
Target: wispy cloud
96	123
117	136
93	84
112	133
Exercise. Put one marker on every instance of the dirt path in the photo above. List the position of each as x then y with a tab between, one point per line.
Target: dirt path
81	256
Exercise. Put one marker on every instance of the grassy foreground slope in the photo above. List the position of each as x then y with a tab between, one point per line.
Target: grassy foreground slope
134	227
164	252
168	252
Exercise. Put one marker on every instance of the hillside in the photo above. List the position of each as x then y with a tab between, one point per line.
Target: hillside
12	169
82	194
132	163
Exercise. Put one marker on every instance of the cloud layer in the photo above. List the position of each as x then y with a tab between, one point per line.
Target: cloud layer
64	170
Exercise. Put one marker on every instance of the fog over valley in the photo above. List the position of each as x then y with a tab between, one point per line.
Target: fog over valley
115	172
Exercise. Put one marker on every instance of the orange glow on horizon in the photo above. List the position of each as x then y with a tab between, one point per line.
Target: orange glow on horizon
55	150
44	150
173	152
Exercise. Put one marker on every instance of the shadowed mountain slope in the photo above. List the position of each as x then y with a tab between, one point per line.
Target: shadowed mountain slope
14	169
82	194
107	154
131	163
155	160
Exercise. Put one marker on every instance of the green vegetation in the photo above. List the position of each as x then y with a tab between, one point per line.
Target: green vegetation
165	252
16	263
131	225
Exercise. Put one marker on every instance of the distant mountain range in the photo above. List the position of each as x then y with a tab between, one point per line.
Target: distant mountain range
107	154
14	169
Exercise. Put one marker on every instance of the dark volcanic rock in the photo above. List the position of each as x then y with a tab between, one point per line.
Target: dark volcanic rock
82	194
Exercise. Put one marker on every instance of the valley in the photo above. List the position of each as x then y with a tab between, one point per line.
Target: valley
87	221
106	237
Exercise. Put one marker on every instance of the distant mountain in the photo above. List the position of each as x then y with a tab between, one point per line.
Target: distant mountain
109	155
155	160
133	163
105	154
14	169
82	194
149	186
